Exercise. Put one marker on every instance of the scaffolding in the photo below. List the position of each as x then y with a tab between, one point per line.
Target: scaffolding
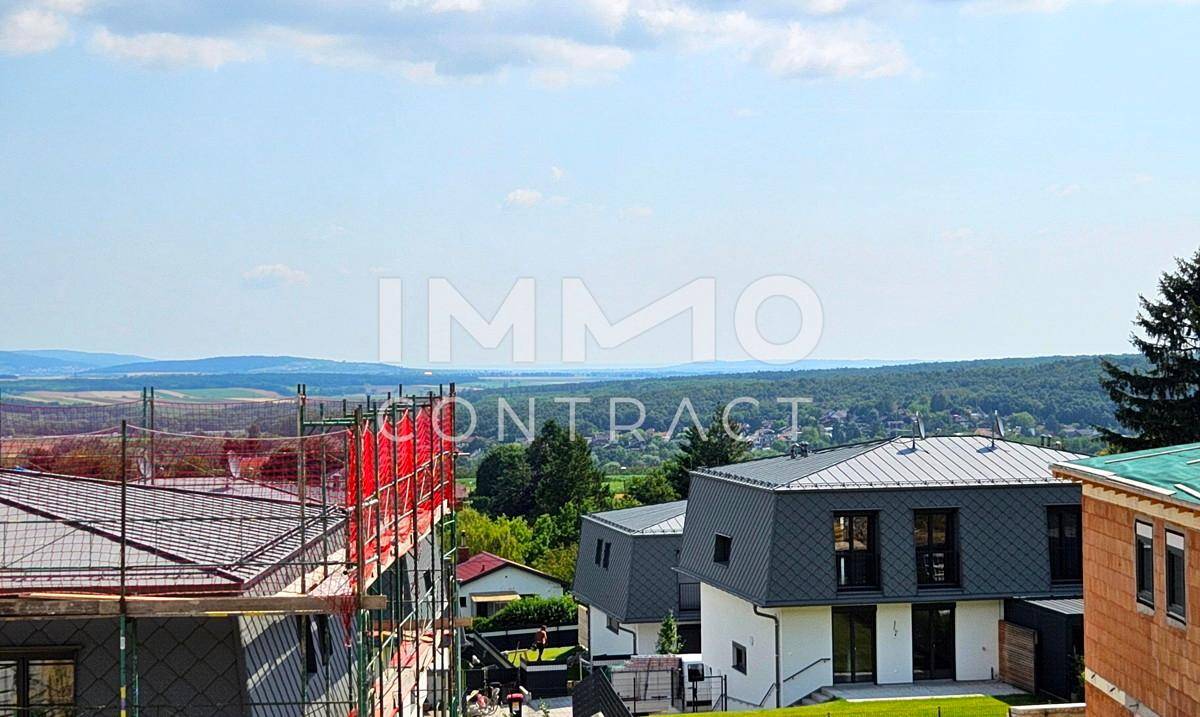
286	557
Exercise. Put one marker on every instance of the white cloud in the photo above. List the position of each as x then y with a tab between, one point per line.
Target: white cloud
1015	6
636	211
548	42
790	49
165	49
268	275
1143	178
24	32
557	173
1063	190
524	198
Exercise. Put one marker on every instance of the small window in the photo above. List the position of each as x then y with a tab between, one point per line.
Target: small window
739	657
607	551
722	547
1176	576
462	602
856	551
599	550
614	625
1144	546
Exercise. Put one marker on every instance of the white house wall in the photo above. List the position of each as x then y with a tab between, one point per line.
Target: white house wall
976	639
604	641
509	579
727	619
893	643
807	636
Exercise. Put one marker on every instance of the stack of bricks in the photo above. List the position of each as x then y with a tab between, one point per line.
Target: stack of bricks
1147	657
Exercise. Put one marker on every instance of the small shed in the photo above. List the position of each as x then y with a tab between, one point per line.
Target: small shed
1057	626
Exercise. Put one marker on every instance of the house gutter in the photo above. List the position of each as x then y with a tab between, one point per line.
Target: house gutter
778	682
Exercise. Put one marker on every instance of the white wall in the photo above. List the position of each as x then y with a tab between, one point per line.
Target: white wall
508	579
604	642
724	619
976	639
893	643
807	634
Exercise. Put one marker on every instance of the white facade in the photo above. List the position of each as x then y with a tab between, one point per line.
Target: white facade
507	579
621	643
807	645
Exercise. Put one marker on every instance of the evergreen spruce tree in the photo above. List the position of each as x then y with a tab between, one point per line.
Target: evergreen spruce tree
1161	405
669	642
705	449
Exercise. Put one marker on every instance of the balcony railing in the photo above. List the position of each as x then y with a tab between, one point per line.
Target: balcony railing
689	597
857	570
937	567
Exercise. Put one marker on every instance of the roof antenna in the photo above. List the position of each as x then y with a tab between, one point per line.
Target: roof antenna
997	427
918	430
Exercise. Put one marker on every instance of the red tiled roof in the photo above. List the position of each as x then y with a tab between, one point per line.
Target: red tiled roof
481	564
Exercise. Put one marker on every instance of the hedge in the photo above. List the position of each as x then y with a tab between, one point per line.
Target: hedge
530	612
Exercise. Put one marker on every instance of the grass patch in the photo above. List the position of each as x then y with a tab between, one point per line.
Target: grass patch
550	655
925	707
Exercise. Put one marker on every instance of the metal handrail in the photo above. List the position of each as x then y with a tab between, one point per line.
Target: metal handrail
814	663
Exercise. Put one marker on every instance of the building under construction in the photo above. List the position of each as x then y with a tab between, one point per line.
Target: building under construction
290	557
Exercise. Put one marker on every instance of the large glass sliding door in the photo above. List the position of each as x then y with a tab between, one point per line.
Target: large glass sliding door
933	641
854	644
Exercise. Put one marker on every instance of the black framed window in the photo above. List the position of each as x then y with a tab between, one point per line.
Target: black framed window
599	550
607	552
1176	565
856	551
1144	562
37	682
739	657
1064	530
935	533
614	625
722	547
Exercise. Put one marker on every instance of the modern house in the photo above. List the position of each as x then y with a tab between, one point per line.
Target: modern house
882	562
626	582
1141	516
488	582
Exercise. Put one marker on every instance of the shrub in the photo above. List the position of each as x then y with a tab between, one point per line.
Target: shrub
530	612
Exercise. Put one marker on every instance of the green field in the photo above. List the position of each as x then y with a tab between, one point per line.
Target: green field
978	706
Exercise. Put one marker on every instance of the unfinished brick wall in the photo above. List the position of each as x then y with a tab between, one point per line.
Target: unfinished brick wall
1152	660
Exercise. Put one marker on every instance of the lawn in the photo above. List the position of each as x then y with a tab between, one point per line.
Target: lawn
550	655
927	707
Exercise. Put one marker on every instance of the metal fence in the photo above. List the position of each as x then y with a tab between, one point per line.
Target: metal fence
661	690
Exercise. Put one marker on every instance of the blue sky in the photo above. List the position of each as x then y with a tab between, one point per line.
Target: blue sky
955	179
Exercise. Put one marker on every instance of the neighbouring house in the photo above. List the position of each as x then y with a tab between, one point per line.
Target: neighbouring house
487	582
626	582
881	562
1141	517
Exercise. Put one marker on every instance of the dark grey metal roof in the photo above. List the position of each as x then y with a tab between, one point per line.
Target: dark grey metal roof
938	461
1066	606
663	518
63	530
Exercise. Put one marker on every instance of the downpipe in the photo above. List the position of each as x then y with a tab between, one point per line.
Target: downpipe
778	673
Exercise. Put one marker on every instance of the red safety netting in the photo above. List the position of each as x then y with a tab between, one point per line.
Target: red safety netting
402	471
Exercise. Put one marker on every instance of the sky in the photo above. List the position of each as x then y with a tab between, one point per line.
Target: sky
953	178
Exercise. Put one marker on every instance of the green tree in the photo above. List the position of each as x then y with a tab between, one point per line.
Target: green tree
651	488
669	642
713	446
507	537
559	562
1160	404
505	479
563	470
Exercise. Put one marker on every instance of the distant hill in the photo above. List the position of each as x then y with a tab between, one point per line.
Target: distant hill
244	365
58	362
